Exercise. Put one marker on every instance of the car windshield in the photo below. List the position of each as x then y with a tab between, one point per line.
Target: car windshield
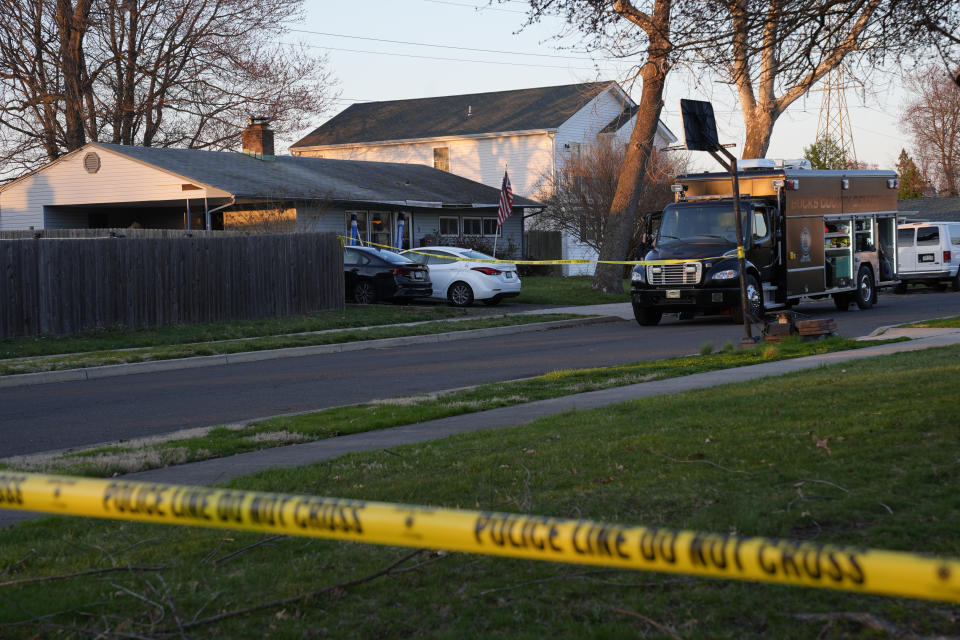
687	222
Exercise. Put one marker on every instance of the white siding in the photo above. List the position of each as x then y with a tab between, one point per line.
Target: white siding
67	182
525	157
530	159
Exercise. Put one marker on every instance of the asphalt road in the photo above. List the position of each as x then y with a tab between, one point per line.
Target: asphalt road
72	414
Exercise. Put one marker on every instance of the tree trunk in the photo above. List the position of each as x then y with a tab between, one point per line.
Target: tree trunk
72	23
759	129
616	238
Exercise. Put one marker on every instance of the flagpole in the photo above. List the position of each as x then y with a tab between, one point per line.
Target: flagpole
504	189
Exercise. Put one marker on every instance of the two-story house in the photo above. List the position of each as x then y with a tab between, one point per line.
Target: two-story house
528	133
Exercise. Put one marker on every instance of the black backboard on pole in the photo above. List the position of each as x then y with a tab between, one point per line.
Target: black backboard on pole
699	125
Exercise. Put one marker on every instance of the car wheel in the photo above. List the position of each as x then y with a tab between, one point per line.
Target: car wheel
364	292
865	295
754	301
460	294
492	302
646	317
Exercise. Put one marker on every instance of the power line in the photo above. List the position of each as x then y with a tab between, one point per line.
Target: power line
410	55
475	7
442	46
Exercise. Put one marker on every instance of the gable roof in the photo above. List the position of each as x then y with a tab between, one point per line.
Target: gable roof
297	178
470	114
930	209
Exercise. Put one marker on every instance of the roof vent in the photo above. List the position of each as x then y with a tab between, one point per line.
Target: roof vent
795	163
756	164
91	162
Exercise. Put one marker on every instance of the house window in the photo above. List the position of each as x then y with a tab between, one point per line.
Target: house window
441	158
361	217
490	227
472	227
449	226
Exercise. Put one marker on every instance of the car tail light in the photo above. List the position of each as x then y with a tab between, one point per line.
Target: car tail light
490	271
946	256
401	271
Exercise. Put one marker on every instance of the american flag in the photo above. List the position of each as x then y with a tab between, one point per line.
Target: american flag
506	201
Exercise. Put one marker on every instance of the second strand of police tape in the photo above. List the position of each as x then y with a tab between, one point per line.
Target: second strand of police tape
345	239
523	536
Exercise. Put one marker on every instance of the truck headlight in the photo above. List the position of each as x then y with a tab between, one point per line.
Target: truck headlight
639	274
726	274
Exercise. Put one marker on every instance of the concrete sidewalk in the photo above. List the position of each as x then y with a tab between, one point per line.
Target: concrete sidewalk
223	469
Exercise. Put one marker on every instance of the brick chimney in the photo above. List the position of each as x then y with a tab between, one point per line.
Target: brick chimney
257	138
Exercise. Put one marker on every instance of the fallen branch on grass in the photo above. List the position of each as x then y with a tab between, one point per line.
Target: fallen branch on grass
67	576
712	464
392	568
238	552
652	623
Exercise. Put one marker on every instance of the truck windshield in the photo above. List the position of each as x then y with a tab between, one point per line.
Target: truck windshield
686	222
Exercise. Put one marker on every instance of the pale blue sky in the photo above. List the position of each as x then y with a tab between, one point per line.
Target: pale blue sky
479	48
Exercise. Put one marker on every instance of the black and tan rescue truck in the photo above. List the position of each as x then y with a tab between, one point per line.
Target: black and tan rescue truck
806	234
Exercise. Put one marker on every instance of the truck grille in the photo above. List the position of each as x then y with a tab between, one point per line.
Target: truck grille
671	274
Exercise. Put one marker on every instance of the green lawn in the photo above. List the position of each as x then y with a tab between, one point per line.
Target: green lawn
939	323
862	453
566	291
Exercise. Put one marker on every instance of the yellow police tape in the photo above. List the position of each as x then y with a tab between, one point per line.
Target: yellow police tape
345	239
513	535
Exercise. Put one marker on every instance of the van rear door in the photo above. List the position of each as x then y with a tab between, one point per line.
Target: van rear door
929	253
906	250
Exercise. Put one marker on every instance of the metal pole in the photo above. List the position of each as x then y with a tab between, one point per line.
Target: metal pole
741	263
731	166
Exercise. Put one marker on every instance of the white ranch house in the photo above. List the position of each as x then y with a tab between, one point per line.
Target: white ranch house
118	186
527	132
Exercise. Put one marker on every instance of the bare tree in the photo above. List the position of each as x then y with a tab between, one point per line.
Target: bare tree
933	119
782	48
579	196
663	31
148	72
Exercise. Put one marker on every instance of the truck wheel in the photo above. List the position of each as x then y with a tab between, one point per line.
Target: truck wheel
841	301
865	289
754	302
901	288
955	283
646	316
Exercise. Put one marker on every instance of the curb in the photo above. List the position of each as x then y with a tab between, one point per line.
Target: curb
113	370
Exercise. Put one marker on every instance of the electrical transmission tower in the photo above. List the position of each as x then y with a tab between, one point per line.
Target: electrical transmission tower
834	118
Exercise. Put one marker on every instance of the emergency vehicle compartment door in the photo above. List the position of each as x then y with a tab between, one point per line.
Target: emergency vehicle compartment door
804	251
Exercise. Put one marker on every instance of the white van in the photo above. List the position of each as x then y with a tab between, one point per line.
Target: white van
929	253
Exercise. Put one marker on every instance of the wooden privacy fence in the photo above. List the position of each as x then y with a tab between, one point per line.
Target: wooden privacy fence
543	245
60	286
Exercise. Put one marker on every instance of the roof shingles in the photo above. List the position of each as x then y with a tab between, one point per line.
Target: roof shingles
295	178
463	115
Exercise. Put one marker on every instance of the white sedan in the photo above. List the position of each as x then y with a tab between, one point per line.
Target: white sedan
458	278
